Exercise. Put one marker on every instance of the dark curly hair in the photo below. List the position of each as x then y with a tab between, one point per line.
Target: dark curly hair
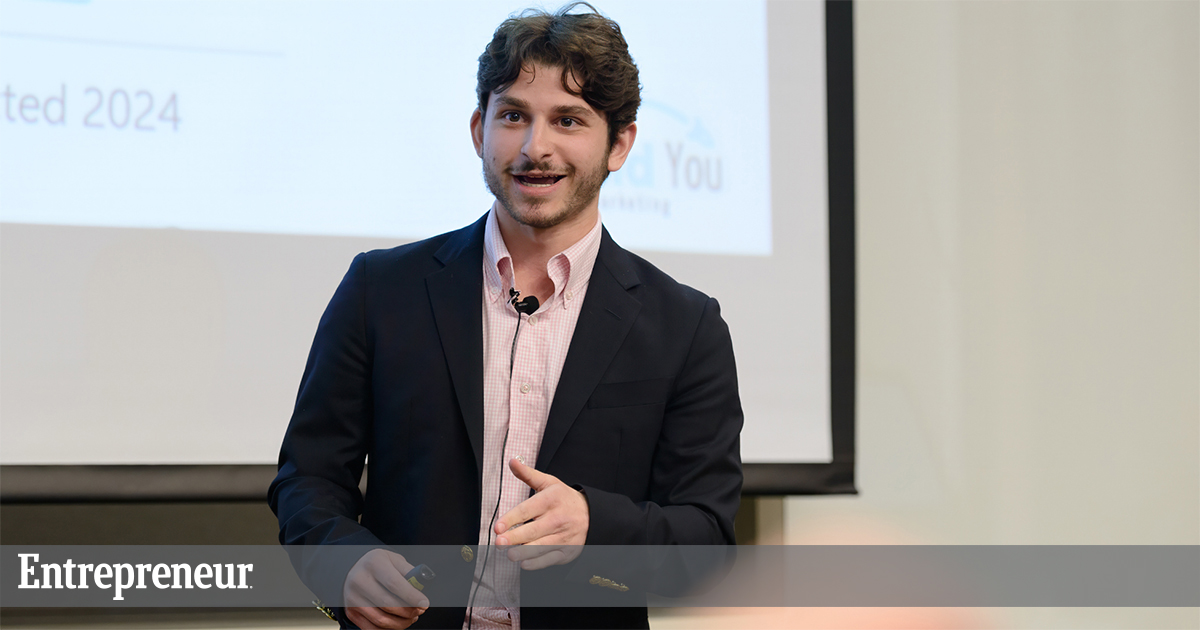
587	46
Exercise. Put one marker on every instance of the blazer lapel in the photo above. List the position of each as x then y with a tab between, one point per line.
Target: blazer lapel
456	294
607	314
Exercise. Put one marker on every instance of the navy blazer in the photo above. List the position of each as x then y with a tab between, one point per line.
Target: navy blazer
645	420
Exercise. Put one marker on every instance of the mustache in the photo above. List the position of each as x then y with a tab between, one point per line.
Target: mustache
542	167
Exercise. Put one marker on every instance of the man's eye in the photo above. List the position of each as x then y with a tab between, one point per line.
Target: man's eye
567	122
511	116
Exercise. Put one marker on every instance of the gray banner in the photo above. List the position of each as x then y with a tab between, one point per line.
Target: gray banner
709	576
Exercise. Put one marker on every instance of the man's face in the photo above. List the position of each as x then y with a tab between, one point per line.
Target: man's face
545	151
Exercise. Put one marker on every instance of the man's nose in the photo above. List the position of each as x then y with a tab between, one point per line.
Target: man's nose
538	144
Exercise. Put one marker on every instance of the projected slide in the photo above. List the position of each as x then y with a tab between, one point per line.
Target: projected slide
351	119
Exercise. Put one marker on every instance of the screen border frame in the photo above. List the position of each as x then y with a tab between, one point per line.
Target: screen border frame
837	475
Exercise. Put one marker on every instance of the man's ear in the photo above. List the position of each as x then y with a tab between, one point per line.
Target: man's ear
621	148
477	131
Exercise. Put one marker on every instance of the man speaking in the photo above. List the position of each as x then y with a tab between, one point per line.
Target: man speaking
523	381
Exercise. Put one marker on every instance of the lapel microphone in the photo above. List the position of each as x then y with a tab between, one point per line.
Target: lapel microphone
527	306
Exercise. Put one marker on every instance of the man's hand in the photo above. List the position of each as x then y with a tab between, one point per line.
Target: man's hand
376	595
553	522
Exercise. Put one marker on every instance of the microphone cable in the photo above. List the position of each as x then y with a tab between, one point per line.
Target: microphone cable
526	307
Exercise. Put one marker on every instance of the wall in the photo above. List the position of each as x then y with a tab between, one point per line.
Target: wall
1029	283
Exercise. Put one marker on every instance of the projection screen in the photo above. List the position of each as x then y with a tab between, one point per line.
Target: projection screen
183	184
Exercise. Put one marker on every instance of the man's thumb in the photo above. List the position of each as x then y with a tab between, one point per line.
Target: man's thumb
527	474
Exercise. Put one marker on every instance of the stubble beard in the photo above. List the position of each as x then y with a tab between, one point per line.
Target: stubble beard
584	191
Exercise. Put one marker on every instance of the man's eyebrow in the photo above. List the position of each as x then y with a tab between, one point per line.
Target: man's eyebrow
574	110
508	101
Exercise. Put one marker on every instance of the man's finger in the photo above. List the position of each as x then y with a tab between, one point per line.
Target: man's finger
383	618
410	614
376	619
399	563
525	511
553	556
406	595
360	619
405	592
528	552
531	476
527	533
374	596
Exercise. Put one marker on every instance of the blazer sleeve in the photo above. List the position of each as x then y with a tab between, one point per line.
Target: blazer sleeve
315	494
696	477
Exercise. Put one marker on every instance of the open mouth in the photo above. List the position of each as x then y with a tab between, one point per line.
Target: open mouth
539	181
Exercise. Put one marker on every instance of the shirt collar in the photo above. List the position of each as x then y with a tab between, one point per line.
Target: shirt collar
570	269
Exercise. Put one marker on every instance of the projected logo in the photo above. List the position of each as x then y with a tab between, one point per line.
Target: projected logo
690	184
674	157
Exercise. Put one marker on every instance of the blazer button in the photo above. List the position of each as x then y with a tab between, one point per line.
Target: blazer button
466	553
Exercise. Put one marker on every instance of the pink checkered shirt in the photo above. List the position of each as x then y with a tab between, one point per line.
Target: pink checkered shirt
520	404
